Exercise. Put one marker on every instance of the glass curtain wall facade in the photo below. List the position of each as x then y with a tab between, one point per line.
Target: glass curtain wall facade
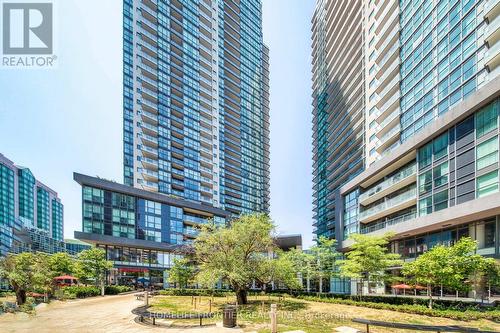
141	231
420	60
442	58
27	204
196	114
338	106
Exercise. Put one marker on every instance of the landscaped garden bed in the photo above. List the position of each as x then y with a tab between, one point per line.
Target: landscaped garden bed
312	315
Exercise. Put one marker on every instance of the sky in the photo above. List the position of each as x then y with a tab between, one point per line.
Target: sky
69	118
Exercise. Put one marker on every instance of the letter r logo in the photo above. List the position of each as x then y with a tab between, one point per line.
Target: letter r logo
27	28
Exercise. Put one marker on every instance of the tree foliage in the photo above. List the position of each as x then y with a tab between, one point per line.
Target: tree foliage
91	265
324	260
456	267
369	259
238	254
182	272
25	272
61	264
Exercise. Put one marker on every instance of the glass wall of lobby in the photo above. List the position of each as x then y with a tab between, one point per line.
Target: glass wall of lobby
139	267
485	232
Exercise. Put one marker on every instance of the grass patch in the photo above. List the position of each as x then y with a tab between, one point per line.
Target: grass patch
299	314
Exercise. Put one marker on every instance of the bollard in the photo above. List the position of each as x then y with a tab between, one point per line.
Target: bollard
146	298
274	319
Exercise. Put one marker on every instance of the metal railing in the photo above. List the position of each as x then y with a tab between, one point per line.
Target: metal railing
403	174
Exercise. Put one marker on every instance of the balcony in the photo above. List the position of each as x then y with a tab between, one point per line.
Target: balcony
389	138
387	223
149	174
403	178
148	116
387	60
190	219
150	105
149	140
388	82
149	162
492	31
388	107
391	21
388	123
492	57
148	185
148	151
389	206
191	232
393	38
492	10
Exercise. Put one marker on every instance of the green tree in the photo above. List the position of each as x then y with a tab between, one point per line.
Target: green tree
324	260
182	272
236	253
61	263
25	272
457	267
369	259
278	268
92	265
302	263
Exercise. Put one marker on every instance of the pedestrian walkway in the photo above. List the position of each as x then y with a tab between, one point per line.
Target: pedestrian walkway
108	314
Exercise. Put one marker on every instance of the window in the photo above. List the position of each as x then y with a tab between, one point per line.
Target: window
487	153
486	120
489	234
487	184
425	206
440	146
440	174
425	155
425	182
441	200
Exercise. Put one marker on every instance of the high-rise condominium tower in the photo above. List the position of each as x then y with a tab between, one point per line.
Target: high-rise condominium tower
338	101
425	121
196	101
28	204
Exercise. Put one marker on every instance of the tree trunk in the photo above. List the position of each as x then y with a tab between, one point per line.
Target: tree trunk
102	288
429	289
321	285
241	296
20	296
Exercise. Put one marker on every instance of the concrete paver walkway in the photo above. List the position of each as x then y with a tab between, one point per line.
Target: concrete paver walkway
99	314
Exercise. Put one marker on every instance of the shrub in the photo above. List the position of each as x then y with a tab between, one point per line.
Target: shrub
196	292
472	313
437	304
115	290
80	291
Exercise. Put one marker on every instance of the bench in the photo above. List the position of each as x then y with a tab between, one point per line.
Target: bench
144	313
413	327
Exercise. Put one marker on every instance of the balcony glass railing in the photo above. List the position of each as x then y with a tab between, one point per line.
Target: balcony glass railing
149	138
403	174
390	203
387	136
195	219
387	223
149	160
389	119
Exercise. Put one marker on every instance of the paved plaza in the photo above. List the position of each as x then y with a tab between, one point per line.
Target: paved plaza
98	314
